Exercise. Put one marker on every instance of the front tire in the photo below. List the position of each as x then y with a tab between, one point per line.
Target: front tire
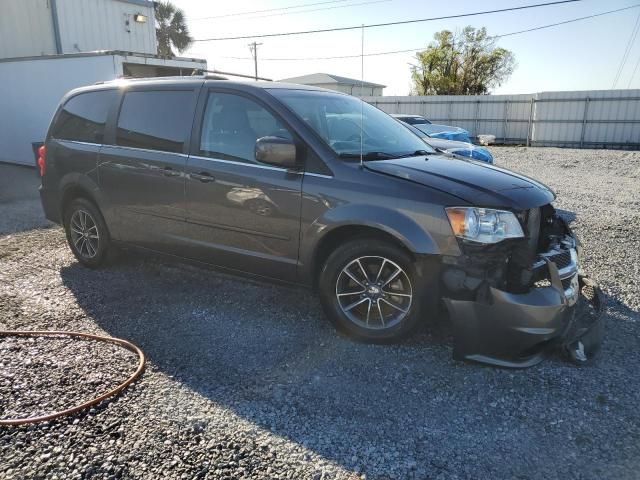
87	233
370	289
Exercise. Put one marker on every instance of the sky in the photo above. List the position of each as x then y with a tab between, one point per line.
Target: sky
580	56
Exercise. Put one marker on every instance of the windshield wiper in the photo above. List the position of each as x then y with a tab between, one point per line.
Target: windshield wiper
417	153
368	155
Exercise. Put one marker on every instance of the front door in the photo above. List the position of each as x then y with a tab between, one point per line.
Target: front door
143	173
241	214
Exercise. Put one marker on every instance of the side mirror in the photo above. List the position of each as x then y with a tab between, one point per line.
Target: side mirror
276	151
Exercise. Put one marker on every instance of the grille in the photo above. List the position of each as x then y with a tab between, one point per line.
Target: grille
566	283
562	259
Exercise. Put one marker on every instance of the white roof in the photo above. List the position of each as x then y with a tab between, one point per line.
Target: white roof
326	78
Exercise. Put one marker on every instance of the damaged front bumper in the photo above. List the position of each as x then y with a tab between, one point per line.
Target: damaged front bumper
518	330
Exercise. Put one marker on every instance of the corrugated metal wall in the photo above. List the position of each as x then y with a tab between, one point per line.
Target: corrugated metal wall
597	118
88	25
26	28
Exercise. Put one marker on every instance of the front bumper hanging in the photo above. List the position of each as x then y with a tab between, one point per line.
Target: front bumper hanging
519	330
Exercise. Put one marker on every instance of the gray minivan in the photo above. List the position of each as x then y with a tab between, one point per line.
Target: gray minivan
313	187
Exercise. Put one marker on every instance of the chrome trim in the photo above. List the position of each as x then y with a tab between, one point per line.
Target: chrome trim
319	175
565	272
244	164
146	150
78	142
572	293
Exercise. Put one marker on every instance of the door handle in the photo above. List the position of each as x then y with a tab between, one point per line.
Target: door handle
170	172
204	177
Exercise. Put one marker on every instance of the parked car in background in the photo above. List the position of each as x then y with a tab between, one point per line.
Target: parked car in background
462	149
435	130
411	119
317	188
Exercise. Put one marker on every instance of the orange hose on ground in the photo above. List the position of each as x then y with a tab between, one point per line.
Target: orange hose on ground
42	333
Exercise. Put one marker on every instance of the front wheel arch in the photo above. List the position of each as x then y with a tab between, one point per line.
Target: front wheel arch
340	235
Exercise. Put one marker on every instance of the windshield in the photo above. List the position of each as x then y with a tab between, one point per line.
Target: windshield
416	130
337	119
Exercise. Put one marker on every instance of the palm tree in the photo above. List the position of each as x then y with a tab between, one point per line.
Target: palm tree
171	29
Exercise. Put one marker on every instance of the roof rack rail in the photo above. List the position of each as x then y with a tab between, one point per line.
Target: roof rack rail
216	75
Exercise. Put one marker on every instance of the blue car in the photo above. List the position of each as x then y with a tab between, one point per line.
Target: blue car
434	130
463	149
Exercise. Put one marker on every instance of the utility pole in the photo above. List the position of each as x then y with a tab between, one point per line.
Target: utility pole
253	47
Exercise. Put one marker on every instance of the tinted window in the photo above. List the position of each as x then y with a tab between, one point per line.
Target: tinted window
84	116
155	120
232	124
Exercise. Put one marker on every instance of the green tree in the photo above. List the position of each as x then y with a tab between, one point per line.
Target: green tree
464	63
171	29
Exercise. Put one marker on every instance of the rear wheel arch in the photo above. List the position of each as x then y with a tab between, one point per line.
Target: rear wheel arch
72	192
76	185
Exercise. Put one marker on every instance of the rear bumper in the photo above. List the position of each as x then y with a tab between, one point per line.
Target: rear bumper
518	330
50	204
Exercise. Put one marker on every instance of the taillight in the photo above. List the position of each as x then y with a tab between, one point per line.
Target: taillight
42	151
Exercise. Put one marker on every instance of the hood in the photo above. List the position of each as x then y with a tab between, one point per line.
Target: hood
476	183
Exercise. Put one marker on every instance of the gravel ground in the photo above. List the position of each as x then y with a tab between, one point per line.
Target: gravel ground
247	380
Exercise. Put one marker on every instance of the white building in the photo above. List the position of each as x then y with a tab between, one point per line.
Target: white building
48	47
49	27
351	86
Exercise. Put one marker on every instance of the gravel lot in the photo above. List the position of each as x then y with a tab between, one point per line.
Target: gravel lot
247	380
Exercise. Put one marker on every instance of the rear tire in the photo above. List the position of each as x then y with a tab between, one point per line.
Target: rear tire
370	290
87	233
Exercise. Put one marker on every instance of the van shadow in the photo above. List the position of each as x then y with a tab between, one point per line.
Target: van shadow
264	351
267	353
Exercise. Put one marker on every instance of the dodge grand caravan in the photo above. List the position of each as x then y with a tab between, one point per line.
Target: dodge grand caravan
314	187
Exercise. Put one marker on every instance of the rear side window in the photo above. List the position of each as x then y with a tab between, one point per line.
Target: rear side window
84	116
155	120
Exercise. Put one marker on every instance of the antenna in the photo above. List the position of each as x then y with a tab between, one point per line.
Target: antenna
361	90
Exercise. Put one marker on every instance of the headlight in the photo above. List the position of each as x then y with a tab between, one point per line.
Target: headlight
483	225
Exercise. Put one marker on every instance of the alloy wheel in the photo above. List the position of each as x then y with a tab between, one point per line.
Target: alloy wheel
374	292
84	233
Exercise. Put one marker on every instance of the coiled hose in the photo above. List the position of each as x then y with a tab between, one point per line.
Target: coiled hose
70	411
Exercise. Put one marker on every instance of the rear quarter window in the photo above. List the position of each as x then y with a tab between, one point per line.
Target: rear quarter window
156	119
84	116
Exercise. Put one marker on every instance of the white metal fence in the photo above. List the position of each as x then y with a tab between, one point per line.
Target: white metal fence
595	119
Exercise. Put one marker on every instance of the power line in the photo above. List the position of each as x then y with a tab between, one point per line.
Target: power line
387	24
633	75
627	50
315	9
541	27
568	21
300	5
